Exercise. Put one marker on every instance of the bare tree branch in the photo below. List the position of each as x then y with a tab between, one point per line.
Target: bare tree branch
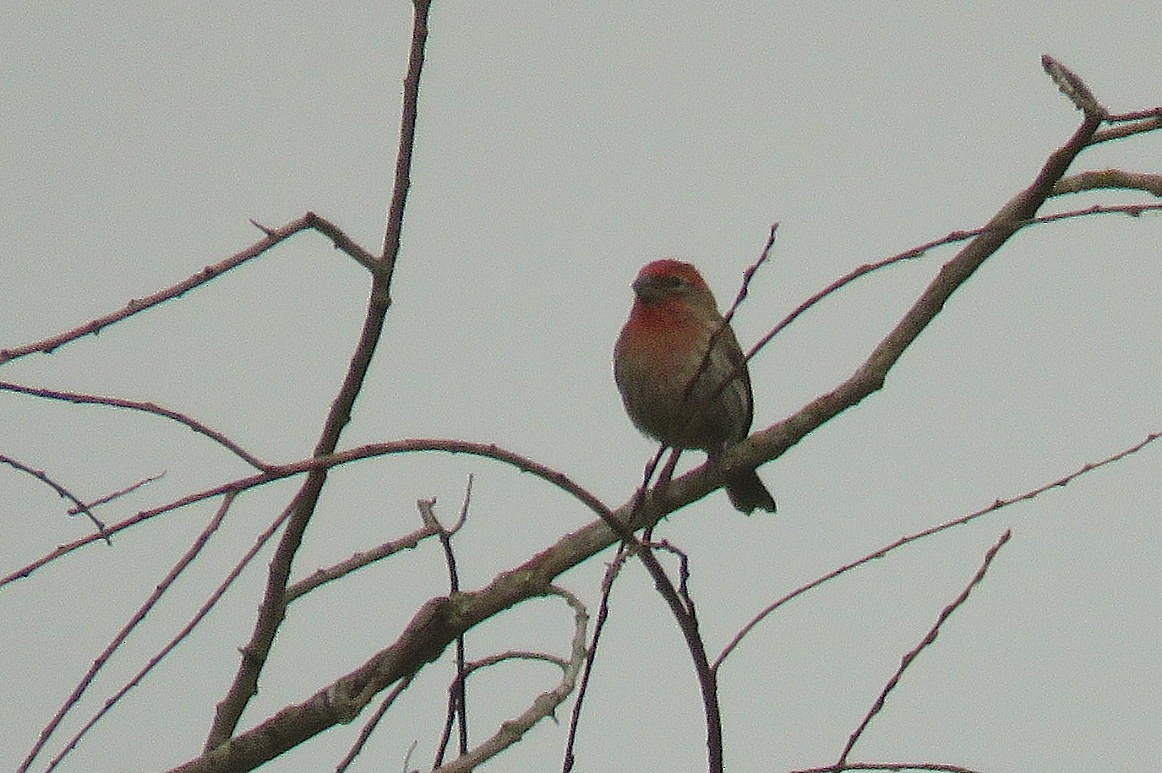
136	305
104	500
930	637
272	610
458	692
932	767
1115	179
121	636
358	561
611	572
1126	130
441	619
371	724
769	443
277	472
1073	87
145	407
1061	482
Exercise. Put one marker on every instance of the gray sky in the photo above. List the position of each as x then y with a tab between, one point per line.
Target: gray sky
560	146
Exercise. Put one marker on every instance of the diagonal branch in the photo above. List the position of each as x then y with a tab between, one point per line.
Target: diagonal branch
769	443
136	305
997	504
119	639
930	637
144	407
272	610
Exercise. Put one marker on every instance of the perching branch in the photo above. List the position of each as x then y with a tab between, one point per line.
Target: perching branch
772	442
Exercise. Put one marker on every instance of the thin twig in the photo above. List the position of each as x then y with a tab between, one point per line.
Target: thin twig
952	237
457	693
1135	115
63	493
357	561
502	657
681	605
883	551
927	640
407	757
611	572
407	137
144	407
749	272
373	722
120	493
138	305
1111	133
200	615
931	767
683	610
195	549
343	242
720	330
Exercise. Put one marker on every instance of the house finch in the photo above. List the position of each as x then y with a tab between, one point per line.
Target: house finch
669	392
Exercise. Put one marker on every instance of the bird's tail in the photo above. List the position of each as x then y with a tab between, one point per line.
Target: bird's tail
747	493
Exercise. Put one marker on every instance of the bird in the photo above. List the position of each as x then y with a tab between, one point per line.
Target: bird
675	392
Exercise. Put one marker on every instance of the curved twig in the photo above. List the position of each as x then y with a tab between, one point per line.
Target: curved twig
144	407
62	492
1071	184
512	730
277	472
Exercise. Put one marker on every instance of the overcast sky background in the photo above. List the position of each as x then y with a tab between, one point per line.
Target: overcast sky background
559	147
